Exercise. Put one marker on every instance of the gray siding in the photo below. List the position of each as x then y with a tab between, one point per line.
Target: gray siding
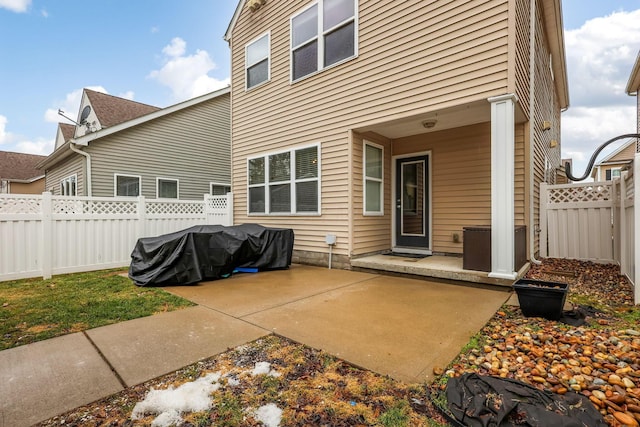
73	165
191	145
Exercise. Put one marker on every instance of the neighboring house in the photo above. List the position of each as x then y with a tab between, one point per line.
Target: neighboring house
632	90
19	175
124	148
612	165
393	125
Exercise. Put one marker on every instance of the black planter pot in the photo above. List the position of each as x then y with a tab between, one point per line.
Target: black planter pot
539	298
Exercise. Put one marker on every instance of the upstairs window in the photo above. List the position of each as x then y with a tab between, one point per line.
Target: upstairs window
257	61
322	35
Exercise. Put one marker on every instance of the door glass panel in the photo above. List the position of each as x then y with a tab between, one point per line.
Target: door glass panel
413	199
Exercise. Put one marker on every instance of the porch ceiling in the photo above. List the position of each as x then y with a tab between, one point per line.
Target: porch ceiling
447	118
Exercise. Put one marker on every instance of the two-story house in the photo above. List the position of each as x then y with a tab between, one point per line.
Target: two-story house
393	125
120	147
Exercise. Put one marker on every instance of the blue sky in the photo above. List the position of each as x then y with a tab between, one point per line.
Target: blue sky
164	51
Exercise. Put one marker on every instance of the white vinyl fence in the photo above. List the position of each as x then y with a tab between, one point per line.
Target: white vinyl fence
41	235
594	221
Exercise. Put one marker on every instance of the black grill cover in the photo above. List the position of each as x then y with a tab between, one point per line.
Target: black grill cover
484	401
207	252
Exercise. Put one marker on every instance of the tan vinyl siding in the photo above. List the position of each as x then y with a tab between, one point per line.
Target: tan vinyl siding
36	187
191	145
461	179
414	57
371	233
461	185
626	154
547	108
73	165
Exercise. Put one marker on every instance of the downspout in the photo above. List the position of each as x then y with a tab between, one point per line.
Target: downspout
532	117
88	157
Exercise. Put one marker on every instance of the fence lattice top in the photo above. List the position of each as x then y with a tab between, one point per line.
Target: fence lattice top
180	208
95	207
20	205
587	193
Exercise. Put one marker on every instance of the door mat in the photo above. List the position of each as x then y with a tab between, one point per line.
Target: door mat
407	255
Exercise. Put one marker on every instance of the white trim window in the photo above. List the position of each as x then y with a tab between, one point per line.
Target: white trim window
613	173
286	182
68	186
167	188
126	185
323	35
218	189
373	179
257	60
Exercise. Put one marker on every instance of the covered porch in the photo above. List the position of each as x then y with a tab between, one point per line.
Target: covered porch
443	171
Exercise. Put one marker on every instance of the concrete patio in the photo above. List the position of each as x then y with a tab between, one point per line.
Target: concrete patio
394	326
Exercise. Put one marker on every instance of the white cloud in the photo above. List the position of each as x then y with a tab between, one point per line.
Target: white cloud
40	146
600	56
15	5
4	136
186	75
127	95
70	105
177	47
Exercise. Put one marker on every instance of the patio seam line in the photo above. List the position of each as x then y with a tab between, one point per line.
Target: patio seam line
123	384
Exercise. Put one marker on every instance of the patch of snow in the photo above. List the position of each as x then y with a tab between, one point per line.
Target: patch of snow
167	419
264	368
269	415
233	382
170	403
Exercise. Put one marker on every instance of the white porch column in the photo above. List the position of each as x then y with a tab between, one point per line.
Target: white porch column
502	186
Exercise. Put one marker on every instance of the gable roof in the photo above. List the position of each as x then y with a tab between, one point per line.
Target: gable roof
234	19
62	152
67	131
611	157
634	79
19	166
112	110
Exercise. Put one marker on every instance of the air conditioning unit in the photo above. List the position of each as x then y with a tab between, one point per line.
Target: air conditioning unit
255	4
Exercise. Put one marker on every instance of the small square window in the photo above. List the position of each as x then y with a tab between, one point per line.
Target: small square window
220	189
167	188
127	185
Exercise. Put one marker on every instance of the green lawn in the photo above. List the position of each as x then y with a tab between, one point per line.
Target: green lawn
35	309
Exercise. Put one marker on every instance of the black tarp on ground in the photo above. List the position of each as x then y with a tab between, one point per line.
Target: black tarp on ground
207	252
485	401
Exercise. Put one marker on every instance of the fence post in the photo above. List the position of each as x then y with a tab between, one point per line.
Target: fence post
46	244
636	228
142	216
544	199
229	209
207	208
620	236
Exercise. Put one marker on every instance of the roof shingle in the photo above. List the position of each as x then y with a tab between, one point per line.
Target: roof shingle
19	165
112	110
